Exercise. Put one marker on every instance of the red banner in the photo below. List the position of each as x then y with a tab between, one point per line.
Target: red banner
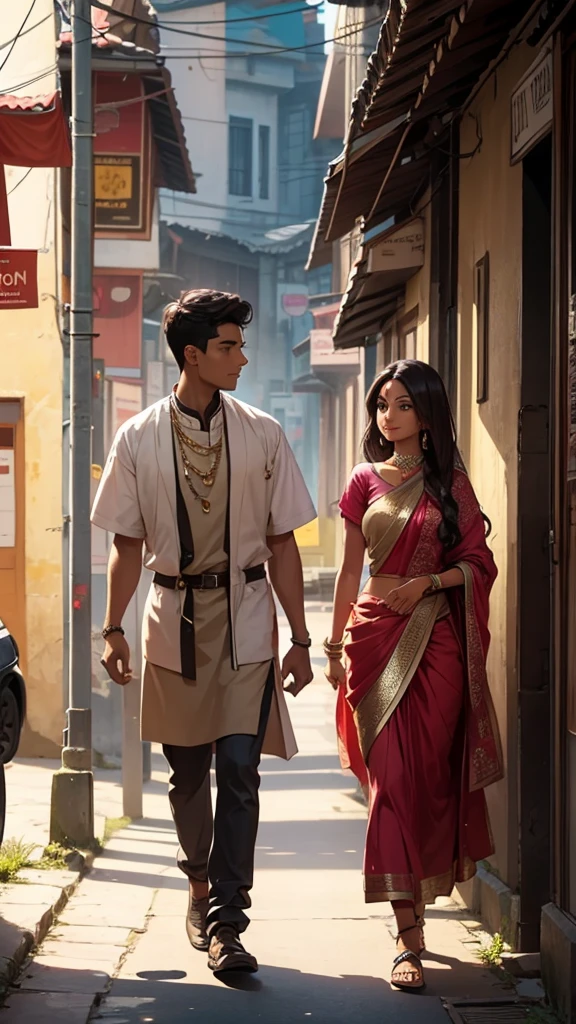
18	279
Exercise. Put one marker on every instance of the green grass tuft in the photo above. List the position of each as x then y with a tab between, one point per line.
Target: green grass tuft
114	825
54	858
14	855
491	955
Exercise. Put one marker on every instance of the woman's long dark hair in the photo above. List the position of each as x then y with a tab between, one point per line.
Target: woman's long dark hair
427	391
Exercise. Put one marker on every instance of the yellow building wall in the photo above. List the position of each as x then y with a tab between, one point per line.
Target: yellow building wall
491	221
31	360
418	288
31	369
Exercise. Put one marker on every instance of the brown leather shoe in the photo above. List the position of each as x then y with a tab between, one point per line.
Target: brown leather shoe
227	953
196	922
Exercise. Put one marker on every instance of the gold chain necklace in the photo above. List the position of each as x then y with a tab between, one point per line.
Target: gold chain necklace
199	449
204	501
207	476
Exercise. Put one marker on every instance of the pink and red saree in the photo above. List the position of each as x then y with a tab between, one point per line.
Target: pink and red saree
416	721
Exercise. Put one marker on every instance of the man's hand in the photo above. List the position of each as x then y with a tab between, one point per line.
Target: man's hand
116	659
297	664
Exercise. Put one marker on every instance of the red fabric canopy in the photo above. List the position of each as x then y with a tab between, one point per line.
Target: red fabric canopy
34	132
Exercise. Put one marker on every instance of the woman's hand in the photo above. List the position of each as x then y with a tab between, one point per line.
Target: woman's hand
405	597
335	673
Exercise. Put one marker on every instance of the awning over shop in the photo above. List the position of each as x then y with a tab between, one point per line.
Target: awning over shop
34	132
429	57
387	260
331	115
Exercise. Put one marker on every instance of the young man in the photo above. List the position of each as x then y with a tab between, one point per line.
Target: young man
209	490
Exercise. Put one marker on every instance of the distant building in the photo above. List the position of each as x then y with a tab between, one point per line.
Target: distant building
248	89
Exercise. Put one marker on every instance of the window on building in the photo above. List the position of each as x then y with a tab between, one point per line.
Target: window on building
408	335
264	161
240	156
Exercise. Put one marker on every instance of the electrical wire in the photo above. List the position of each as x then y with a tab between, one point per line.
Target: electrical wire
222	21
25	32
32	81
23	178
268	48
19	33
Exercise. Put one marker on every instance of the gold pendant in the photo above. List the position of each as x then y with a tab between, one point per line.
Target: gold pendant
208	481
205	505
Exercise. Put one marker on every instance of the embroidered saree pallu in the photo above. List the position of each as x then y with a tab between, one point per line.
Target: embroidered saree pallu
417	721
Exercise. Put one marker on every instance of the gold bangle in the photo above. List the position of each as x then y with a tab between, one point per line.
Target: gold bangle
331	649
435	581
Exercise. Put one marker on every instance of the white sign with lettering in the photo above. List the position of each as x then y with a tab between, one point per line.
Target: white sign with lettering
531	107
7	499
323	353
401	249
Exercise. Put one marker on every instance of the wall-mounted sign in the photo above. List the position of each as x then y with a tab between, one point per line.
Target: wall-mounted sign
18	279
292	300
323	355
118	192
399	249
7	499
531	107
117	299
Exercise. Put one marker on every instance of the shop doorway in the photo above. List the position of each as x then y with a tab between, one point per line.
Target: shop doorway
534	555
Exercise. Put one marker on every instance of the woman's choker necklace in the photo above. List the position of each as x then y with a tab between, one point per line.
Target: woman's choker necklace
406	463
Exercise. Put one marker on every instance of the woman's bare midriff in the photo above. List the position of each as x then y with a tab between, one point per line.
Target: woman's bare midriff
380	586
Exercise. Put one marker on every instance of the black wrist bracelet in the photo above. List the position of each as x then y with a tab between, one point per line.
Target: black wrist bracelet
108	630
301	643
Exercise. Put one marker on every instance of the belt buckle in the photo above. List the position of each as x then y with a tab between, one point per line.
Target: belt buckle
213	576
180	583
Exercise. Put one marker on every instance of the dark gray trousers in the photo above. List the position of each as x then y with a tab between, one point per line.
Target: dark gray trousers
219	848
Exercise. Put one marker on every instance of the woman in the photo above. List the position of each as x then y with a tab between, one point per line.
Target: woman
415	718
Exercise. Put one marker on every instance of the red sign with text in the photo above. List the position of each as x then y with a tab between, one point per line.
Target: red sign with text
18	279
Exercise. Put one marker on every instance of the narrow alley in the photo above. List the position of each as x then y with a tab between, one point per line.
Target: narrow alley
119	951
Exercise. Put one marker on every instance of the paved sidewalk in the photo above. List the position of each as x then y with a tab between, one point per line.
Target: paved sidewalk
119	948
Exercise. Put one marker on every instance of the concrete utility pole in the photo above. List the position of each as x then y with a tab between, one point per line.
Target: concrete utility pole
72	817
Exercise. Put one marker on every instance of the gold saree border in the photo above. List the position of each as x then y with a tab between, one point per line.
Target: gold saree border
383	697
389	887
399	504
485	769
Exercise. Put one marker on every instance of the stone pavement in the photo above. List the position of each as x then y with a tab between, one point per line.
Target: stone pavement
119	950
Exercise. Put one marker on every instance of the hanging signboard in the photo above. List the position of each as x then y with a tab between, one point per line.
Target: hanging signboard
323	354
400	249
531	107
118	192
18	279
122	158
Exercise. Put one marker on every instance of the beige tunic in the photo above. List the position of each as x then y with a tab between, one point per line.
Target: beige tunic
221	701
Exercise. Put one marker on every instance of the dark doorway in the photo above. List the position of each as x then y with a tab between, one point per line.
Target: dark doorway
534	555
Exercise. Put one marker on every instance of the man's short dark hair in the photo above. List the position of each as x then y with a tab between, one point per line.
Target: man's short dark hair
196	317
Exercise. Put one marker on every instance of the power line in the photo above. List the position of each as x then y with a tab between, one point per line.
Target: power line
268	48
223	21
19	33
23	178
32	81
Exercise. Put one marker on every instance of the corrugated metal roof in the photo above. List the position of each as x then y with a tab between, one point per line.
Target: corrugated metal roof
273	241
429	57
131	26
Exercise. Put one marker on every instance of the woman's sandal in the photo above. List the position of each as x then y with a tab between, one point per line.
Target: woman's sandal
407	956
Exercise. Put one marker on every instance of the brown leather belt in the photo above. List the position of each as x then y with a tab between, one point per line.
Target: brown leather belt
207	580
